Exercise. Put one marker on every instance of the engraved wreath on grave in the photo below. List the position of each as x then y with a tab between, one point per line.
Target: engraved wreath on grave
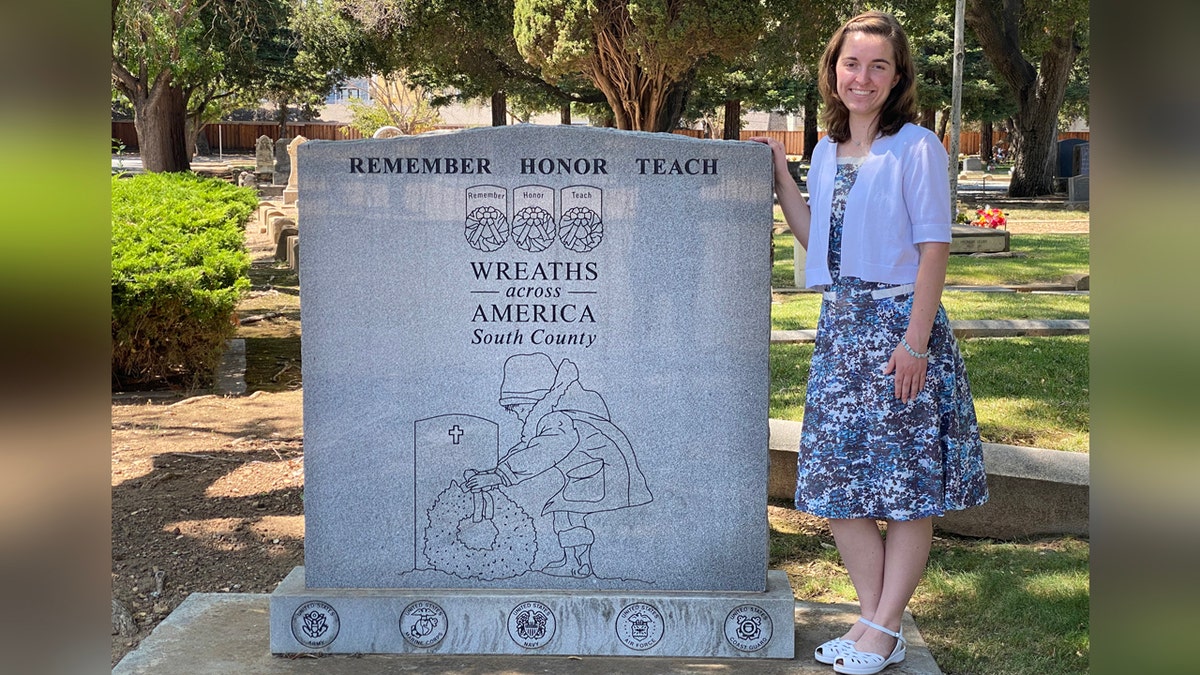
532	225
477	536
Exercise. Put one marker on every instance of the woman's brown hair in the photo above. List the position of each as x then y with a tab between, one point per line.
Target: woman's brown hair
901	105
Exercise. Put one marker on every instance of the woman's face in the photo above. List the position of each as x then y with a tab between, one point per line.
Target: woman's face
866	73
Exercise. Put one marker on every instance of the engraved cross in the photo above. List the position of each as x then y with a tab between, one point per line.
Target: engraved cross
456	433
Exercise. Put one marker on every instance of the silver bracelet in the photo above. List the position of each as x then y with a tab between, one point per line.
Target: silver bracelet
908	348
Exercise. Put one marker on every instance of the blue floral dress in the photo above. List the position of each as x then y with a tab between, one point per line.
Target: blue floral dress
863	452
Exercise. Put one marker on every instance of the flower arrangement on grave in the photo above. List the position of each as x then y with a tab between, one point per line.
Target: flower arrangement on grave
989	217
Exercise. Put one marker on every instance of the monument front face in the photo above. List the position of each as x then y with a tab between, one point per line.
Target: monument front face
536	358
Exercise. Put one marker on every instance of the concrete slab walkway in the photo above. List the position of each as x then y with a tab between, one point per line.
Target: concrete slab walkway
221	633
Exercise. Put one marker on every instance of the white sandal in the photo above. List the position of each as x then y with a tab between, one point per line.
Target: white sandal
828	652
855	662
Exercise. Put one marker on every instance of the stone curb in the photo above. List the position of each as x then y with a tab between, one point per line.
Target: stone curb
1032	491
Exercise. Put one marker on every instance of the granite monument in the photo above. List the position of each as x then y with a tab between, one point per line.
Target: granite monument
535	407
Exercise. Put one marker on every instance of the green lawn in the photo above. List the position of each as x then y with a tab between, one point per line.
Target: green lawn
1044	258
1028	391
800	311
1006	608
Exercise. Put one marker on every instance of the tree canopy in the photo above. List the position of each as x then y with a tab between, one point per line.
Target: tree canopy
643	55
644	62
1015	35
173	58
462	48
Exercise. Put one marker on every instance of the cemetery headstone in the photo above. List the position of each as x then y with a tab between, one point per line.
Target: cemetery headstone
972	163
535	397
283	163
264	155
289	192
1083	159
1079	190
387	132
1064	165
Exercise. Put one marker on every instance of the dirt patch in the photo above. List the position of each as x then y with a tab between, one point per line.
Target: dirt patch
206	498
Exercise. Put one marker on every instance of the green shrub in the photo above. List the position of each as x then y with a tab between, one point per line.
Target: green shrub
179	266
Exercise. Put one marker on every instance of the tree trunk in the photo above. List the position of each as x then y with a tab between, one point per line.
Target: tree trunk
676	101
641	99
942	124
499	109
201	146
197	142
733	120
1033	153
564	114
929	118
159	120
811	100
283	115
985	142
1039	91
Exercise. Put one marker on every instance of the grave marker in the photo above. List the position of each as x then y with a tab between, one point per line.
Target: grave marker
1083	159
1064	165
264	155
1079	189
289	192
283	163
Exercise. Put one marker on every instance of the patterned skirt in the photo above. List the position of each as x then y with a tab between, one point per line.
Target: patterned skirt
864	453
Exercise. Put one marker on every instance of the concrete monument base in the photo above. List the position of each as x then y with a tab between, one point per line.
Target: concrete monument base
716	624
221	633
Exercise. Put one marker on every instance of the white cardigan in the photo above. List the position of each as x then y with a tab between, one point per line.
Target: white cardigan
900	198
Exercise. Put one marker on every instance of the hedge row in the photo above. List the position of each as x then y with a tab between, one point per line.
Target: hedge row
179	265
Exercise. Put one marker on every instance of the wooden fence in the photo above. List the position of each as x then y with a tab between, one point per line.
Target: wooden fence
241	136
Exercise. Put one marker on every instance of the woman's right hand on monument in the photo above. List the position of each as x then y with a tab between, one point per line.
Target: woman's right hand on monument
778	152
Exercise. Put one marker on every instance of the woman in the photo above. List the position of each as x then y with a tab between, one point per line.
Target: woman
889	423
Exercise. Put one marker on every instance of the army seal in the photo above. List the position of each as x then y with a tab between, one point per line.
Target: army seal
315	624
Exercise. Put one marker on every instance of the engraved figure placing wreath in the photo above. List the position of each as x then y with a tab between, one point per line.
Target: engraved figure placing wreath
475	530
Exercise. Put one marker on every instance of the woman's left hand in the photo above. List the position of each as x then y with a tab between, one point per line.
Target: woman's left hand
909	373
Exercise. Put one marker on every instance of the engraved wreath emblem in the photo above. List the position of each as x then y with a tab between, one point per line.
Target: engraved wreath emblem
533	228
